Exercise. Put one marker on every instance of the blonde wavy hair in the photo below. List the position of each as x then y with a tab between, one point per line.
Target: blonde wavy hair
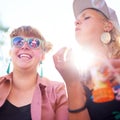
114	46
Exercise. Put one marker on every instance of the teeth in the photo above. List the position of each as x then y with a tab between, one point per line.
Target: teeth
25	55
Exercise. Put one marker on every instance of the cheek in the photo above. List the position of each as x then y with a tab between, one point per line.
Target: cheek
95	25
39	55
13	52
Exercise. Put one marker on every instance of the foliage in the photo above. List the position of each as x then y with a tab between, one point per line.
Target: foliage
2	30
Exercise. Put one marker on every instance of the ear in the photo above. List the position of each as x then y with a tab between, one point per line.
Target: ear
108	26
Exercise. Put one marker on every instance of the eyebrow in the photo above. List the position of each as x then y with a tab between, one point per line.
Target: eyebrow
82	15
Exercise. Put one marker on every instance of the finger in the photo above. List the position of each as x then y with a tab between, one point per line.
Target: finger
58	58
60	53
69	53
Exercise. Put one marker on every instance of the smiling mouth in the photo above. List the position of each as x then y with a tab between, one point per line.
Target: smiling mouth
25	56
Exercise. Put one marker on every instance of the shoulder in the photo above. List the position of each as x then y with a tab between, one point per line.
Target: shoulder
55	87
5	86
50	83
6	77
56	91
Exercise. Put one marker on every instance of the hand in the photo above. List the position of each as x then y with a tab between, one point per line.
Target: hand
76	94
64	64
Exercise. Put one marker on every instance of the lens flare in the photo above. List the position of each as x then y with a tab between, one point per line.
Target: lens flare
83	58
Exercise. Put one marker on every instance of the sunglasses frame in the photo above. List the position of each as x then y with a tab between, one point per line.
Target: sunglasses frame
27	40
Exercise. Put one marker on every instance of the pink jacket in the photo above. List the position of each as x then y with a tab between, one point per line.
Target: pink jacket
49	100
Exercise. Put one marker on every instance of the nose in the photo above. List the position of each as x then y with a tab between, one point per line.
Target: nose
25	45
77	22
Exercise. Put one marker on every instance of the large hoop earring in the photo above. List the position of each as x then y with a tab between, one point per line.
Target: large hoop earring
106	37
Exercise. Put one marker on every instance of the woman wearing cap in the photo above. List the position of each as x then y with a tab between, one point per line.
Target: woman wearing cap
96	30
24	95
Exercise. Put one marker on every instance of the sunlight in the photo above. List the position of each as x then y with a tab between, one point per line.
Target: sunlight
56	23
83	59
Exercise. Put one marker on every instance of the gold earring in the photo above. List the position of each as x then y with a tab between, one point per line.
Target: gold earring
106	37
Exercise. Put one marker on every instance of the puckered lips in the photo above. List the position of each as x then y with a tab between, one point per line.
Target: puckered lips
77	29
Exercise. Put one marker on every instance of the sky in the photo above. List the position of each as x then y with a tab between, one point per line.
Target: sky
54	19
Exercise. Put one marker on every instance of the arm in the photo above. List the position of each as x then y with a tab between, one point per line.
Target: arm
76	93
77	99
61	106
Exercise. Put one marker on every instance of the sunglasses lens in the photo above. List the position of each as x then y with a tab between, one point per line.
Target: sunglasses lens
18	41
34	43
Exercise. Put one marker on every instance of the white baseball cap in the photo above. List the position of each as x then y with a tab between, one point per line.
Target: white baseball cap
80	5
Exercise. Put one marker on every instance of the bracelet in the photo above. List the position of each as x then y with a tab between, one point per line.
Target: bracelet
78	110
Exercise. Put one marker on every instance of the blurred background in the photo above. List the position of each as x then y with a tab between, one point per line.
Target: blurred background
54	19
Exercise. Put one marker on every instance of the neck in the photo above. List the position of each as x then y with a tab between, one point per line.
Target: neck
24	80
98	50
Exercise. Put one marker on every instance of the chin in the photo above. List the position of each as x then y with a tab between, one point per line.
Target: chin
83	44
